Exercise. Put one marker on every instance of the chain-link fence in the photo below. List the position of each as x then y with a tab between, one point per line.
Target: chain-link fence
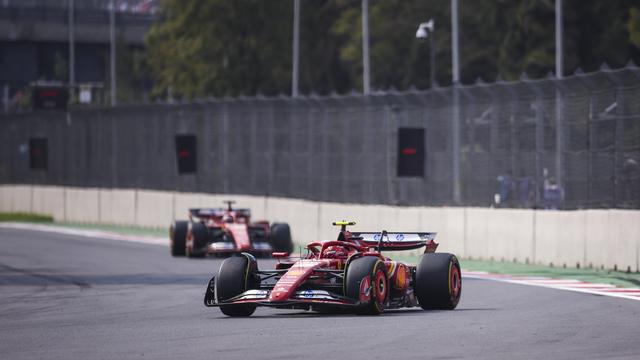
571	143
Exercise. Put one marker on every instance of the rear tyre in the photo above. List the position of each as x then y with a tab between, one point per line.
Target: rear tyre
438	281
366	280
234	278
178	237
200	236
280	238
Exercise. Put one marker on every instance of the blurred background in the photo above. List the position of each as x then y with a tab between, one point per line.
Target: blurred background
530	104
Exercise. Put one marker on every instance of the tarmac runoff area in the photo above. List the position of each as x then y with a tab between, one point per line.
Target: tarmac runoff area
67	294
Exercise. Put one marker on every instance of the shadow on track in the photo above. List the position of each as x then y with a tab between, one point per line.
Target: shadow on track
314	314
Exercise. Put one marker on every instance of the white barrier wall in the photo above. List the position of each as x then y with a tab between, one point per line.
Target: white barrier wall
117	207
588	238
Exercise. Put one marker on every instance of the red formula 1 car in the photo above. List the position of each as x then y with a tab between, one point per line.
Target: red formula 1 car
349	273
222	231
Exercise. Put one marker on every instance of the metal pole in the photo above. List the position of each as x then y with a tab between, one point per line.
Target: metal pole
296	48
432	55
559	100
72	52
455	126
365	48
112	31
454	42
559	45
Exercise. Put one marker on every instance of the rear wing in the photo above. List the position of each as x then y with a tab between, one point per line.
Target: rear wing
217	212
397	240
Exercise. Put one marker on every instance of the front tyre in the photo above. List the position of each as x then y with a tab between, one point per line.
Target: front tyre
280	237
438	281
178	237
200	236
366	280
234	278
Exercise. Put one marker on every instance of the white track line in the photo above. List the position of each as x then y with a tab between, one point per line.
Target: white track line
152	240
560	284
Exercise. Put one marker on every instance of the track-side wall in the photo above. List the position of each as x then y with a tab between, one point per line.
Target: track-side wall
588	238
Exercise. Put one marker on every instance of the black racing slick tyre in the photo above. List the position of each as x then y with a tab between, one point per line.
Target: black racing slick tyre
366	280
280	238
178	237
236	276
438	282
200	235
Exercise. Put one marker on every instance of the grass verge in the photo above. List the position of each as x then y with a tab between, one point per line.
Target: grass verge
124	230
24	217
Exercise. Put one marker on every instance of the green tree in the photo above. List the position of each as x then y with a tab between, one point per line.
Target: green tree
633	26
221	47
233	47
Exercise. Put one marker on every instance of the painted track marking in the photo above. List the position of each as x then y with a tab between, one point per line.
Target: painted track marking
152	240
559	284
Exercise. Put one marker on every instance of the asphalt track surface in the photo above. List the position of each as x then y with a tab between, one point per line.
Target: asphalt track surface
67	297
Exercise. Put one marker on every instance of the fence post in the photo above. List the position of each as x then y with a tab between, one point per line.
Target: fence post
455	142
618	145
225	145
468	131
591	130
539	137
560	140
618	137
513	137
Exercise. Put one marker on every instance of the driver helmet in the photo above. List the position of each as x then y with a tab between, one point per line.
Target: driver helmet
333	252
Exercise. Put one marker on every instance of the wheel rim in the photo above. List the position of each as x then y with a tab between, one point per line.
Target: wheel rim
455	282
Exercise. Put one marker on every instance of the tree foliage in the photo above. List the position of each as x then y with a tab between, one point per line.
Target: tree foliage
235	47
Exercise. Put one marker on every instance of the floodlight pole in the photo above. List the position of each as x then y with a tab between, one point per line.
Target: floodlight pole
559	44
366	83
72	50
296	48
559	100
455	126
112	35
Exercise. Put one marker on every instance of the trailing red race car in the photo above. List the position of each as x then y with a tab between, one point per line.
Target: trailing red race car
222	231
348	273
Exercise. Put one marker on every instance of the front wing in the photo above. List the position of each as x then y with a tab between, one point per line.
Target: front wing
260	297
228	247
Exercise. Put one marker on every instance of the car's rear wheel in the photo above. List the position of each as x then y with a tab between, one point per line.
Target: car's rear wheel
234	278
199	241
280	238
438	282
178	237
366	280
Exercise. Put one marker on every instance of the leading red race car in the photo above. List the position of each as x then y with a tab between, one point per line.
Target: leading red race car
221	231
348	273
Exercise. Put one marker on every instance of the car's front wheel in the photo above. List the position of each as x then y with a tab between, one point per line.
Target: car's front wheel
234	278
